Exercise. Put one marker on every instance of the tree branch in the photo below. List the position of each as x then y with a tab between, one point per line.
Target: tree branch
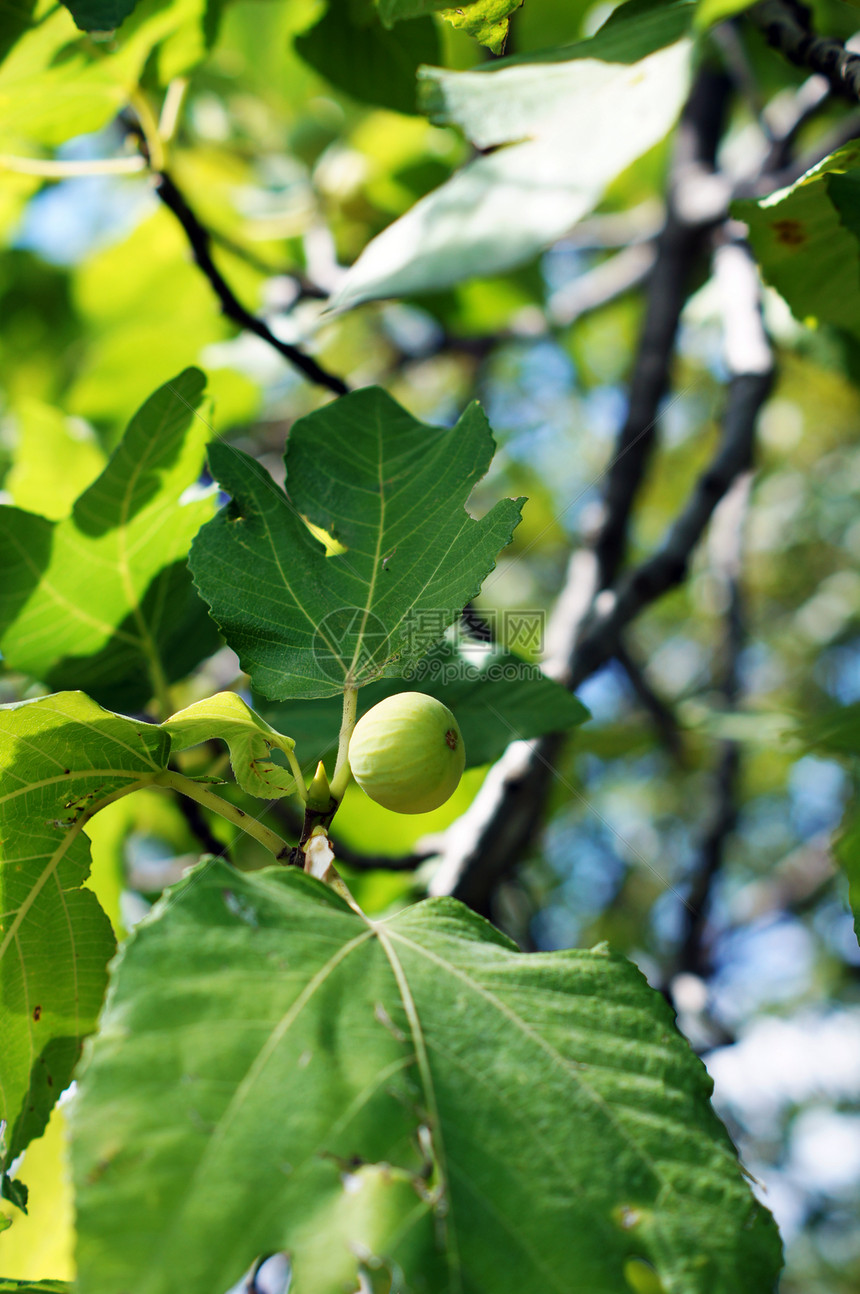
693	953
678	248
490	838
200	242
662	715
787	27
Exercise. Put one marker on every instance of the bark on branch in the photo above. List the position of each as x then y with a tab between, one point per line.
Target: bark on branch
787	27
200	241
491	837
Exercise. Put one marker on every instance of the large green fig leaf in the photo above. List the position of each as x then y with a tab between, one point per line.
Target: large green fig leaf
497	698
103	599
806	239
276	1072
61	758
249	738
392	492
551	137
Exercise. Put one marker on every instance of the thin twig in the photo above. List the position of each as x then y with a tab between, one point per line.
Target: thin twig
678	248
693	952
661	713
767	182
200	242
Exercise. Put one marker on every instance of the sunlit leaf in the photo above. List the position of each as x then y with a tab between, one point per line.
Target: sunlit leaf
136	625
55	84
552	136
55	460
61	757
392	491
250	739
42	1240
486	20
415	1092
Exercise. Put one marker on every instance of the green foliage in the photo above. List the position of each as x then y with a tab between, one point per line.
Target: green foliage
711	12
35	1287
386	1078
401	1099
137	626
636	29
99	15
392	492
54	463
486	20
806	236
55	84
496	697
527	186
350	48
250	739
61	758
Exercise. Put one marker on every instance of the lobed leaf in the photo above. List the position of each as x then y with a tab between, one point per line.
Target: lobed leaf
414	1094
250	739
61	758
392	492
102	600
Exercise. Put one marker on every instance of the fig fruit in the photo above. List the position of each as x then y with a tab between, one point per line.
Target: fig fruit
407	753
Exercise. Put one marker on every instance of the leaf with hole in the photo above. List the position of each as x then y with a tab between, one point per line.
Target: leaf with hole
392	491
250	739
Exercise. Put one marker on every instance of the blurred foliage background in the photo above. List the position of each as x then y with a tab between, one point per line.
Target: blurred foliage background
100	302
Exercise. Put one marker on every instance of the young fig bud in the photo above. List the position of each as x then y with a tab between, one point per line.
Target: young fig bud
407	753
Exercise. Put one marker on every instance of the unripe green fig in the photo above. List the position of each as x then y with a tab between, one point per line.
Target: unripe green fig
407	753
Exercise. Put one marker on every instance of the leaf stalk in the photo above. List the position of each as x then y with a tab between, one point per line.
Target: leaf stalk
173	781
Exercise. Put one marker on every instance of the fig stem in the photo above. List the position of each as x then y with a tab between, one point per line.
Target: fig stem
342	772
269	839
296	770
